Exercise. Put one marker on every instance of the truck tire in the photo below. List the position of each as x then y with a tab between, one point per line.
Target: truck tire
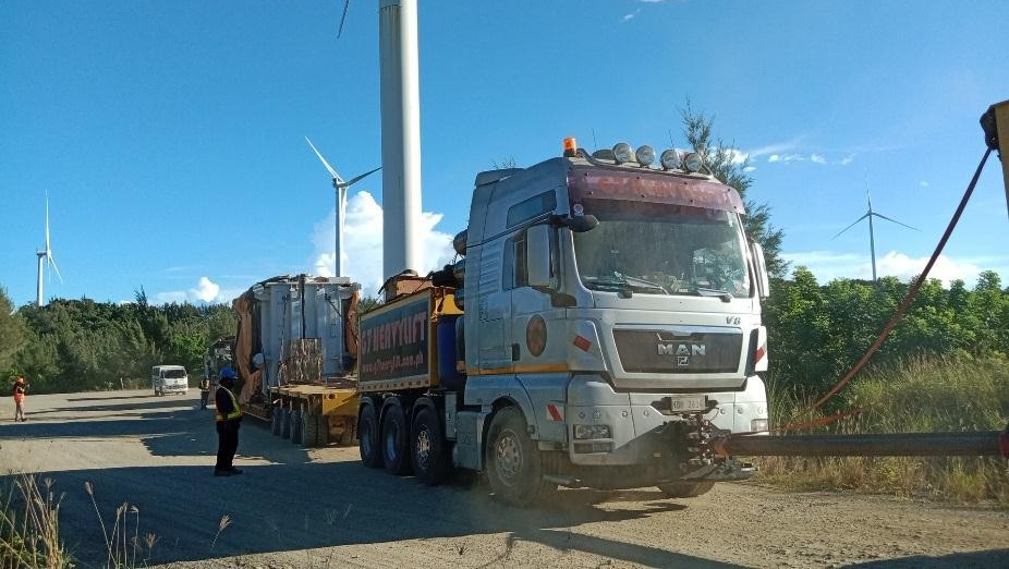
686	489
275	421
429	451
514	463
368	431
297	426
285	423
395	441
310	431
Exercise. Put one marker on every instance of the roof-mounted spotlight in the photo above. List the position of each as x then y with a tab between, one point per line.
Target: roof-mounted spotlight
693	162
670	159
645	155
623	153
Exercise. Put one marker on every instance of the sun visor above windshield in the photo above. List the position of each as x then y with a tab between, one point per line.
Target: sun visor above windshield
602	183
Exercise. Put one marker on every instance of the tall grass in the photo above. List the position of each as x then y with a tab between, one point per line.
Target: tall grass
919	395
29	527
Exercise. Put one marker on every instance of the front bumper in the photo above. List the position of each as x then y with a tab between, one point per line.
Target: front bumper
641	434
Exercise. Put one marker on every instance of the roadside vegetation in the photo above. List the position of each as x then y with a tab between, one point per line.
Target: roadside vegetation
920	394
83	345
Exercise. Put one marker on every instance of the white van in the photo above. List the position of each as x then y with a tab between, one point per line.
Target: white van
169	379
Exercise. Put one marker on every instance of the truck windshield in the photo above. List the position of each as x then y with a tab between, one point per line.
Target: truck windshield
661	249
175	373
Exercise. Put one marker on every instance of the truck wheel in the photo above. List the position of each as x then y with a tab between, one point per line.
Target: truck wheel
310	430
686	489
514	466
275	421
285	423
368	432
395	441
429	453
297	427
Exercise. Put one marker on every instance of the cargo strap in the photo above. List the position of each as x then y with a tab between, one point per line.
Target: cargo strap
236	408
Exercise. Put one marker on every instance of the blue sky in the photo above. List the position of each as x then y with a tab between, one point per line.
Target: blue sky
170	134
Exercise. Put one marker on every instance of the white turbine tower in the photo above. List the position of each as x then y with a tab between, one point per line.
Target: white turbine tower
341	188
47	256
400	94
872	233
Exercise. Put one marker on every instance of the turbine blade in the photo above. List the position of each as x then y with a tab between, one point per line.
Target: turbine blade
894	221
357	179
52	261
850	226
346	6
47	221
332	172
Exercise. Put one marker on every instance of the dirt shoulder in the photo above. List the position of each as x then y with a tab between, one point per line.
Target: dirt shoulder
298	508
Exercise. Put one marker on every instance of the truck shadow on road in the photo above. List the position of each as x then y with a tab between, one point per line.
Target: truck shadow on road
278	508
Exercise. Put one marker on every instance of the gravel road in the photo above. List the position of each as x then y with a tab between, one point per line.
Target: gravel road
298	508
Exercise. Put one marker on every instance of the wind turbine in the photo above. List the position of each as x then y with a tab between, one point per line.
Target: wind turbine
47	255
872	235
400	103
341	188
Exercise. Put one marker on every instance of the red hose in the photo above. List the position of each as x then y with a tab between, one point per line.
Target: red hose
908	299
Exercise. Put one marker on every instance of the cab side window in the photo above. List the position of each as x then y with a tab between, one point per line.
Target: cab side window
513	274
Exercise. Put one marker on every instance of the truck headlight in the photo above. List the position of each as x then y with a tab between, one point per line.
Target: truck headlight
758	425
583	432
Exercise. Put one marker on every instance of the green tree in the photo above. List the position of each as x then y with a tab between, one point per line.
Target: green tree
730	167
13	333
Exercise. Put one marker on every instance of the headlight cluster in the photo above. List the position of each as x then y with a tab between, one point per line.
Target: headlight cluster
670	159
583	432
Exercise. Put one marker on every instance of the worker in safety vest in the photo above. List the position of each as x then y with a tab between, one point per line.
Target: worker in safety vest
228	417
20	387
204	392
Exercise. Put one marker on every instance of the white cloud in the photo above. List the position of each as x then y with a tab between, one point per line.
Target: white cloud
362	245
775	148
749	168
206	291
923	184
786	158
814	158
827	265
628	17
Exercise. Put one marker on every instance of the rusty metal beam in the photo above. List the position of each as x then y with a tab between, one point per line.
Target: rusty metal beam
984	443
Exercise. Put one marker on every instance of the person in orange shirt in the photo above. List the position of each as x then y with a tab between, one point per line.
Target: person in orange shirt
20	387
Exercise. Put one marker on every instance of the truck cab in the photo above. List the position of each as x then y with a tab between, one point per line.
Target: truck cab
611	327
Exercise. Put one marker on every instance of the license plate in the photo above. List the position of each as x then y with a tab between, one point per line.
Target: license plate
679	404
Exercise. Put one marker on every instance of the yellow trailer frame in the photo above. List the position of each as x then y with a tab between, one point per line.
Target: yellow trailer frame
314	415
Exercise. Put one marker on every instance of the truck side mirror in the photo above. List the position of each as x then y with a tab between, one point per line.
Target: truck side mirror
760	268
538	256
578	223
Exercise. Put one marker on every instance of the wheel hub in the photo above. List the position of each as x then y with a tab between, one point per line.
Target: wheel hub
508	457
423	448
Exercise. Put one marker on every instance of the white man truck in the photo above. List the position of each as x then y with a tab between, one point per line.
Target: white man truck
601	329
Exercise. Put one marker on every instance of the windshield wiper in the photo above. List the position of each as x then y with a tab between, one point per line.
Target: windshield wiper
722	294
624	284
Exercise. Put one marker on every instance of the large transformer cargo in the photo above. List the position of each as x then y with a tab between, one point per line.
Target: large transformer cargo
295	350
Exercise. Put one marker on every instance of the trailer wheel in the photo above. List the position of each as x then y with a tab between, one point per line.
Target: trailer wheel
275	421
395	441
368	433
686	489
429	454
310	433
285	423
297	426
514	464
